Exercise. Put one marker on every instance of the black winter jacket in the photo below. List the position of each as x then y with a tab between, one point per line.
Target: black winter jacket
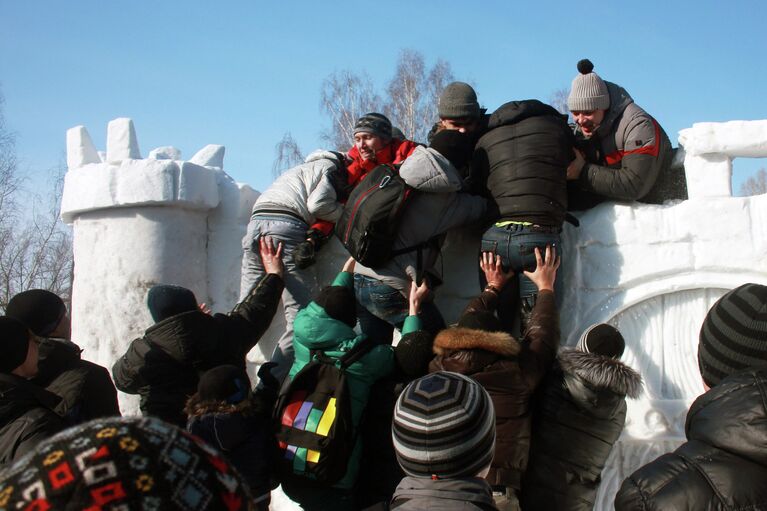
523	159
580	411
27	417
723	465
85	388
466	494
163	367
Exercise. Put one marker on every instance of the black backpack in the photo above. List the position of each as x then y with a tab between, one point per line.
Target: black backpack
368	224
313	419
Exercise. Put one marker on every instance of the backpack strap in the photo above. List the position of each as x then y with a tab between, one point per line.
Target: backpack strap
358	351
419	256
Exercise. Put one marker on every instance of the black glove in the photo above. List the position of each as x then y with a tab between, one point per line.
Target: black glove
304	255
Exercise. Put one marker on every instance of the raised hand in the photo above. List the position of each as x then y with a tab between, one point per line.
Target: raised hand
417	296
271	258
546	269
490	264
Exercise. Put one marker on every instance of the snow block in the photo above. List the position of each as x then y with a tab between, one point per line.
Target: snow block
122	143
165	153
80	148
211	155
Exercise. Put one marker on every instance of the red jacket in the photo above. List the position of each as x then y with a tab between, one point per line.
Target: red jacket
394	152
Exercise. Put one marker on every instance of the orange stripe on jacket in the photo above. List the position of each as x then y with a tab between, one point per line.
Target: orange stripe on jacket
653	150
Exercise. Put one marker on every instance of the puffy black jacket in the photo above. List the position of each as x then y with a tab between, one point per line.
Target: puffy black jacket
27	417
580	411
163	367
723	464
86	388
523	159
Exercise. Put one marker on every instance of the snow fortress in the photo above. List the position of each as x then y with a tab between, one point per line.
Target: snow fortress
652	271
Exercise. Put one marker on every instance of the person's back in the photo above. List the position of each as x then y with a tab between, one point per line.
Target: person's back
723	464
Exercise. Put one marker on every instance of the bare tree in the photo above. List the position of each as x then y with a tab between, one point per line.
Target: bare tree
288	154
755	185
345	96
558	100
413	94
35	248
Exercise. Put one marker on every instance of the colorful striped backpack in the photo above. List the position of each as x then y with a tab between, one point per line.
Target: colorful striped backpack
313	418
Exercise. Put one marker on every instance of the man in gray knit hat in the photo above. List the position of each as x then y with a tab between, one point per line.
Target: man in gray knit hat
624	153
459	109
724	463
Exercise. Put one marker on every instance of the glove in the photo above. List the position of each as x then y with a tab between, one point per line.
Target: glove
304	255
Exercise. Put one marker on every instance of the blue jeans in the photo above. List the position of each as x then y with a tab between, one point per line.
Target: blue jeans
516	244
300	284
381	308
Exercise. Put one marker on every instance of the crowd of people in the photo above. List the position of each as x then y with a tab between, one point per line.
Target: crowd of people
489	412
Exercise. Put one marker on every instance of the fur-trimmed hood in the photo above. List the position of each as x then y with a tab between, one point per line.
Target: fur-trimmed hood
458	338
195	407
600	372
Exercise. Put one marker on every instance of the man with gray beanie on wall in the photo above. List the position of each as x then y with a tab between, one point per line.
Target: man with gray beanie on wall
723	465
459	110
624	153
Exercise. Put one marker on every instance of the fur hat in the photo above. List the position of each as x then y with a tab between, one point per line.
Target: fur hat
165	301
374	123
40	310
457	101
444	427
734	334
588	91
14	343
339	303
124	463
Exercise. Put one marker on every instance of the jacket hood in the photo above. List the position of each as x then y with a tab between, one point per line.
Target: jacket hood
423	493
458	338
619	100
195	407
428	171
732	416
516	111
316	330
600	372
321	154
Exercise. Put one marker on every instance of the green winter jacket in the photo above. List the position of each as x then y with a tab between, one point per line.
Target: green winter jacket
314	330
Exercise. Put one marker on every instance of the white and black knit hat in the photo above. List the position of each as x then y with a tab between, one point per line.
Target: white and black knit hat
444	427
588	91
734	334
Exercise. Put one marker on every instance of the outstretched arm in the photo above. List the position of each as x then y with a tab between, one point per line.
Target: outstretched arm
543	328
487	301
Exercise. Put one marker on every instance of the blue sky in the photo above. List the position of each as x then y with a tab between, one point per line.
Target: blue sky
242	73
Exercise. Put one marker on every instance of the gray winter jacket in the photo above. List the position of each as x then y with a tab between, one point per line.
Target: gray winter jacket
305	190
634	159
438	207
466	494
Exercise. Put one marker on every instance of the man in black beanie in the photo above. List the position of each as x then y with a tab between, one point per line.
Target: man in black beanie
723	465
86	388
164	365
27	414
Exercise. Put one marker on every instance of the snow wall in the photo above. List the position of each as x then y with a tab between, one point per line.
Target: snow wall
652	271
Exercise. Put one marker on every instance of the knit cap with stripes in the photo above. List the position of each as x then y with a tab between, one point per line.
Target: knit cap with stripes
734	334
444	427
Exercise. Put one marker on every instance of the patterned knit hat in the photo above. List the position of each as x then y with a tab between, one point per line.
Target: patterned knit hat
588	91
444	427
734	334
375	123
122	464
458	101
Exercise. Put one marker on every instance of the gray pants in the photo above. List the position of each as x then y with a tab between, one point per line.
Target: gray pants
300	285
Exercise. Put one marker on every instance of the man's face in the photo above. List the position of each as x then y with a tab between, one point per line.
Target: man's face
463	124
588	121
368	144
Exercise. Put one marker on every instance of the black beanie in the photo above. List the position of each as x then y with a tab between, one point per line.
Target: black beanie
602	339
457	147
224	383
734	334
165	301
14	343
481	320
40	310
339	303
